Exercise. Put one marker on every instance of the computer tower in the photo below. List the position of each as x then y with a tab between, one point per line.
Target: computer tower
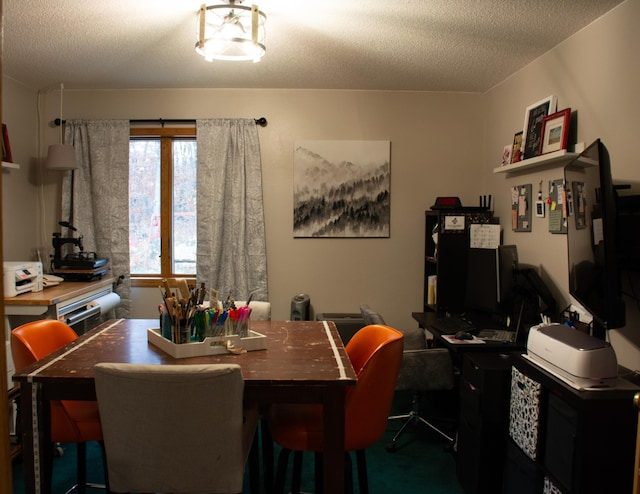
484	421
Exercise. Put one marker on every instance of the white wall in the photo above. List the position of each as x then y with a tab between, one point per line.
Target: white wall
595	73
19	192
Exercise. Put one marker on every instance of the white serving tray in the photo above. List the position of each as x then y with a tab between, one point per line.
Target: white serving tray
213	345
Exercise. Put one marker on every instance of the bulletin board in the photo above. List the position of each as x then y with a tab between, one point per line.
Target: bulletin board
558	207
521	208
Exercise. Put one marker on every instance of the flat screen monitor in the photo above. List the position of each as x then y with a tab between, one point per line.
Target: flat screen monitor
491	279
482	293
594	277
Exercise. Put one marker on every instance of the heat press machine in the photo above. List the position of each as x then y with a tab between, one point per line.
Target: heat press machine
77	265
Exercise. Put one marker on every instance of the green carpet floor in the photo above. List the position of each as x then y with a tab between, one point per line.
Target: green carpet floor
420	464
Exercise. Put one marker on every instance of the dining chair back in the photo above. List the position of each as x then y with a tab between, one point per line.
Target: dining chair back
174	428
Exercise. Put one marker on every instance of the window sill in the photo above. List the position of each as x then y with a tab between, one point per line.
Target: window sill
156	281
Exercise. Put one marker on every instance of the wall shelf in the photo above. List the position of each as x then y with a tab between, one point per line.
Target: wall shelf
6	164
545	159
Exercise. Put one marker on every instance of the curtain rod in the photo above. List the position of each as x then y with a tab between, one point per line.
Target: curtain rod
262	121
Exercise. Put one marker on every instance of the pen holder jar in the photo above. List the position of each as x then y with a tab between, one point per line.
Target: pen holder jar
178	331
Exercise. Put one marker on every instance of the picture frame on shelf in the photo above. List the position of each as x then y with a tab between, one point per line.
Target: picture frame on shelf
555	131
506	155
516	152
6	146
532	128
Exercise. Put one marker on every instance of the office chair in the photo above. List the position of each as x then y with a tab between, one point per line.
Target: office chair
422	370
260	311
71	421
375	352
174	428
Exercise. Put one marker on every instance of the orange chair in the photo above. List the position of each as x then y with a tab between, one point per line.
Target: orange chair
71	421
375	352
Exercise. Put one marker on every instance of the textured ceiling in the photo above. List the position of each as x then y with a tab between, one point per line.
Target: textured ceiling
431	45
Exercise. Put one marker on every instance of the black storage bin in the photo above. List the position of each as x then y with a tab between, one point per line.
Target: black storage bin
521	475
560	440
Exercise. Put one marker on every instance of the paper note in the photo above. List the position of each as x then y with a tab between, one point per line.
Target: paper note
522	206
555	220
454	222
598	232
484	236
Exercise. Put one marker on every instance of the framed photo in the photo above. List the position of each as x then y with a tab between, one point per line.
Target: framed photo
532	128
555	131
506	155
6	147
516	152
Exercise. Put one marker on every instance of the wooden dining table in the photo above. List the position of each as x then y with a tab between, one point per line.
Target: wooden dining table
304	362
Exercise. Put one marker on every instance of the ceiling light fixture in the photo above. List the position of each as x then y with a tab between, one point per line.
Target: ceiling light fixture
231	32
61	157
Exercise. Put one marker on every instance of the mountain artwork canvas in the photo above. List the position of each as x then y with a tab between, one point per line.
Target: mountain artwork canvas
341	188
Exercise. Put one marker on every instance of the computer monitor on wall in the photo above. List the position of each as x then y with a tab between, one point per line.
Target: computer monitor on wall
594	276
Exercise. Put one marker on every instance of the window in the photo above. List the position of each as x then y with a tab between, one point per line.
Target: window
162	204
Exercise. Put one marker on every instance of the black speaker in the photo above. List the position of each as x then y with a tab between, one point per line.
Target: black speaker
300	307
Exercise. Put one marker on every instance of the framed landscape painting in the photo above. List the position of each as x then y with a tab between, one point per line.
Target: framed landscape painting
341	188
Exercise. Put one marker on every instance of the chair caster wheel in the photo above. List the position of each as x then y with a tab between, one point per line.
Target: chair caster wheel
391	447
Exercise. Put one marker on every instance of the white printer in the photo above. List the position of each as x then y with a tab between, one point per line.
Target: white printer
22	277
580	360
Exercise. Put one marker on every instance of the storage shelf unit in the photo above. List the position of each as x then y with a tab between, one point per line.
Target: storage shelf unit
447	260
579	442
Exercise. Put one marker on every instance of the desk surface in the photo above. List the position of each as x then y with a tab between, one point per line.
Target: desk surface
425	321
305	362
59	293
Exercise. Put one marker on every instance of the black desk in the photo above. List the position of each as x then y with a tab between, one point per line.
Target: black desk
425	320
483	406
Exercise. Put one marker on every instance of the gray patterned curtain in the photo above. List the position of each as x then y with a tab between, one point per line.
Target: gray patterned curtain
231	237
99	206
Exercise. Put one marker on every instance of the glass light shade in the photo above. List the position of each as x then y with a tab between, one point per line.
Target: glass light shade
61	157
231	32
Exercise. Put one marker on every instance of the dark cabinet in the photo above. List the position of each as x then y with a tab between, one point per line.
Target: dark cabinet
583	441
446	247
484	419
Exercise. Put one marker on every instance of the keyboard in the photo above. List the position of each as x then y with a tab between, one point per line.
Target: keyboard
453	324
497	335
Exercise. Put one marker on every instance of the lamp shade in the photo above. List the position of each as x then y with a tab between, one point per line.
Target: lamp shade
61	157
231	32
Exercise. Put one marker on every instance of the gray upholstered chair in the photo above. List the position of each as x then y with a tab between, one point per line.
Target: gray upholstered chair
422	370
174	428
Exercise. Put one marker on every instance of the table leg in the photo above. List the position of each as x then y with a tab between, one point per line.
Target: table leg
37	459
333	453
27	406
